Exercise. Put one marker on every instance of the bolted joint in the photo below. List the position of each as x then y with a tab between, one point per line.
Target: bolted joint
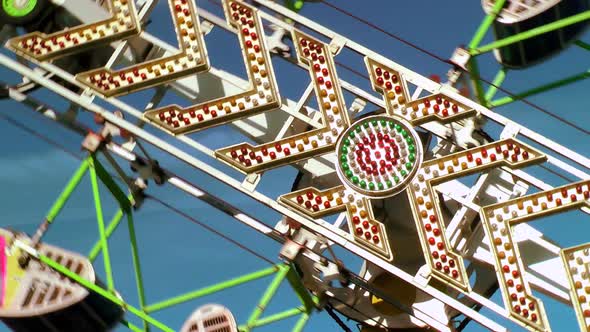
358	105
149	170
275	42
109	130
137	190
93	142
4	91
460	58
290	250
344	274
323	300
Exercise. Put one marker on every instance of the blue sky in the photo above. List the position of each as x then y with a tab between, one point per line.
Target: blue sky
178	256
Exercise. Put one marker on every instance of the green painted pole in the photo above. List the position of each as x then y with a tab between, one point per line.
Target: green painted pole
113	224
532	33
276	317
498	80
485	24
137	266
67	191
101	229
211	289
106	294
267	296
301	323
583	45
546	87
108	181
309	301
111	227
473	68
58	205
131	326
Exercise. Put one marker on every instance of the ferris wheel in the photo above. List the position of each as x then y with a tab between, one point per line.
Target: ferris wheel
342	183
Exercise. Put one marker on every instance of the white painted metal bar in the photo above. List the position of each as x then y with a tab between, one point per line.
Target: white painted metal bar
340	220
539	284
482	254
453	231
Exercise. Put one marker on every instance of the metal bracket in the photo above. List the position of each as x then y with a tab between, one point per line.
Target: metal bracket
444	88
137	189
337	44
290	250
422	277
92	142
149	170
95	141
460	58
510	130
358	105
206	27
251	181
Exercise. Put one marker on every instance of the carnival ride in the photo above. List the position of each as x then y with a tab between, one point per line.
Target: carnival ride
411	202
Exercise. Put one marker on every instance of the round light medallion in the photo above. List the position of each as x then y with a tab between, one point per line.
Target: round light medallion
378	155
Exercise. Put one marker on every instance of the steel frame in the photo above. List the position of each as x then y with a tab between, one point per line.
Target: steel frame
319	226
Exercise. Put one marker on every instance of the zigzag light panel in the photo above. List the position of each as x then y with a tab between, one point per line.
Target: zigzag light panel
446	264
317	57
262	96
191	59
122	24
498	220
577	266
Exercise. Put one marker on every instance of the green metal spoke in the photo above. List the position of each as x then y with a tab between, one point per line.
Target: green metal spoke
211	289
131	326
65	195
137	266
485	24
498	80
540	89
101	228
108	181
267	296
111	227
309	301
106	294
275	317
301	323
583	45
473	68
531	33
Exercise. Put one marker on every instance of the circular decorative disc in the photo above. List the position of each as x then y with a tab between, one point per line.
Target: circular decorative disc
378	155
18	8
